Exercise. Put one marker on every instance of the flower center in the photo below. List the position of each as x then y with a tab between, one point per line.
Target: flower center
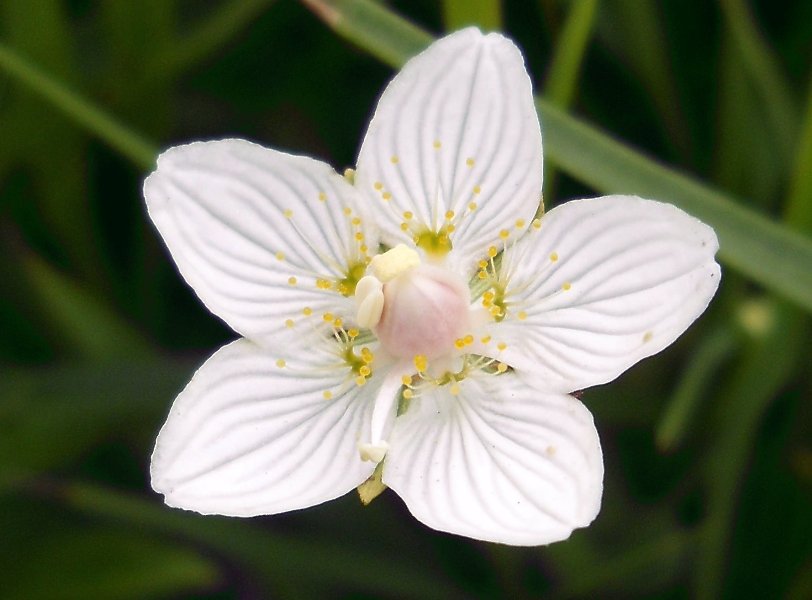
413	308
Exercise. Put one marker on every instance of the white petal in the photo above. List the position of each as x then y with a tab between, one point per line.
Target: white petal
470	95
252	230
629	276
502	461
248	437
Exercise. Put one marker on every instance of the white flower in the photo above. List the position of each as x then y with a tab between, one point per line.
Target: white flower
384	326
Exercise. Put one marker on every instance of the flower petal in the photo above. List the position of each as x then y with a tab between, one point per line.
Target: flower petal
455	130
501	461
258	234
603	284
251	436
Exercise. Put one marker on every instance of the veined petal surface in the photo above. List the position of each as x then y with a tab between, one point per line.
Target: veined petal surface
456	130
260	235
253	435
502	461
601	285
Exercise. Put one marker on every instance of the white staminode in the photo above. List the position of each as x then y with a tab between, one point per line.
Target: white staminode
353	361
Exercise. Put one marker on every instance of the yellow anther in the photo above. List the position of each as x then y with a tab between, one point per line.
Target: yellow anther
554	256
477	189
393	262
291	280
504	234
421	363
459	344
454	388
337	323
353	333
472	206
450	228
520	223
356	221
386	196
567	286
501	346
359	236
360	380
395	160
408	394
280	255
280	363
483	264
328	317
408	215
365	371
501	367
363	248
488	295
468	339
323	284
437	144
495	311
406	380
522	315
470	162
404	226
482	275
492	251
288	213
307	311
377	185
322	196
327	394
347	211
367	358
536	223
486	339
449	214
289	323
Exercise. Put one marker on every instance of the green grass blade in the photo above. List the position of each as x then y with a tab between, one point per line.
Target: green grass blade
83	323
565	66
693	386
762	250
763	68
798	209
384	34
80	110
636	33
486	14
206	37
278	557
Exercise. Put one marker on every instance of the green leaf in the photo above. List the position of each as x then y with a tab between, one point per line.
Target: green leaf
570	50
763	68
278	557
80	110
70	563
758	248
697	379
84	323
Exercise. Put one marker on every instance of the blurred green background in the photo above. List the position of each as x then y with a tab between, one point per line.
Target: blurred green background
708	446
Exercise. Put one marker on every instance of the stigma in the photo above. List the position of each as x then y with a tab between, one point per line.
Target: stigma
413	308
